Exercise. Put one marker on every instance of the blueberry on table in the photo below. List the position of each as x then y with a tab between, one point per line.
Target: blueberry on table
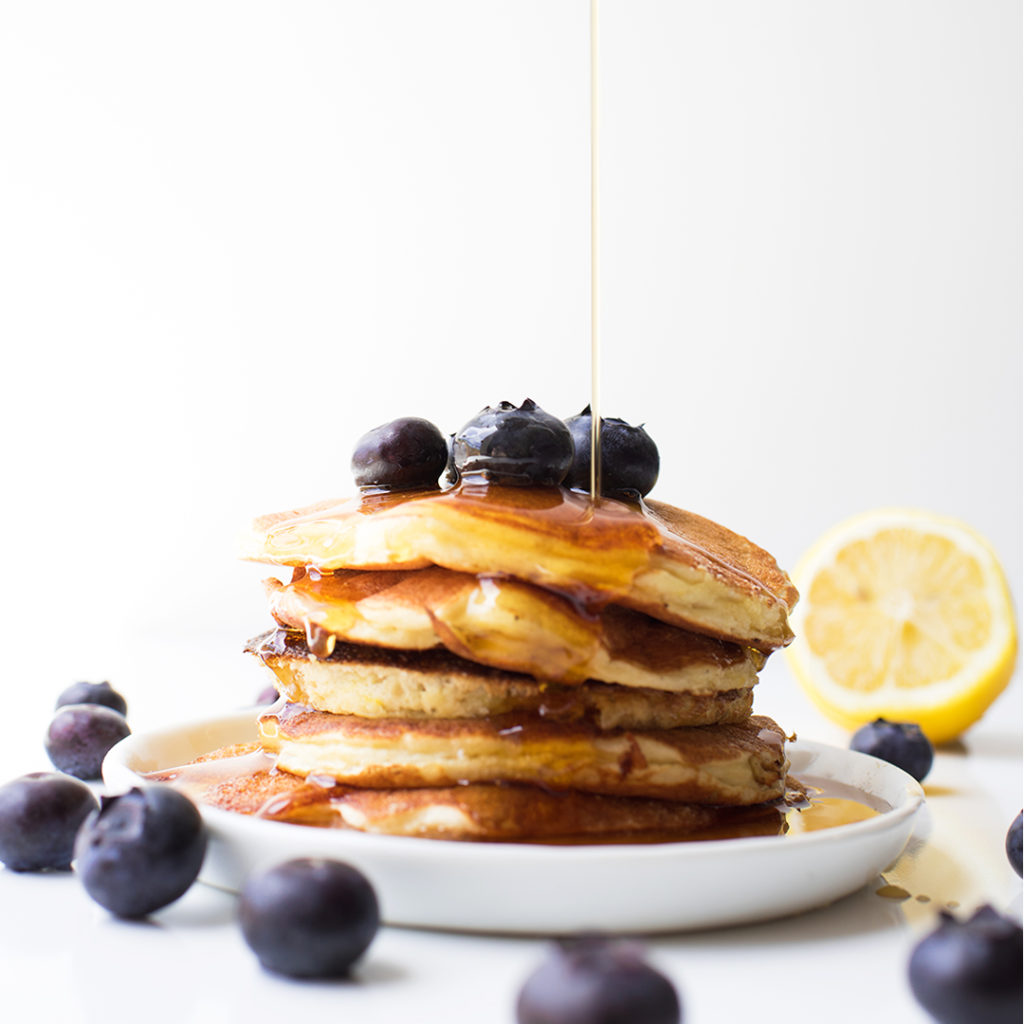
597	981
80	735
309	918
400	455
1013	844
141	850
900	743
629	456
969	972
523	446
39	817
93	693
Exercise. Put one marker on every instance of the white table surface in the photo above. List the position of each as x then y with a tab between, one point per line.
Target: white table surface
62	958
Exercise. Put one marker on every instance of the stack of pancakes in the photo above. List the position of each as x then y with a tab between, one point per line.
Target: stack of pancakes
490	662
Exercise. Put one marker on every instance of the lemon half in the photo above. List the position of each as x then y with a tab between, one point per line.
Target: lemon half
904	615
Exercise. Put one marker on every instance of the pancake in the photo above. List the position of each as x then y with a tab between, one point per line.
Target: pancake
375	682
673	565
734	764
508	624
244	780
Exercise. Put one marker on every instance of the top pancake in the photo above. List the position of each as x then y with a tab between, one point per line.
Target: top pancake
674	565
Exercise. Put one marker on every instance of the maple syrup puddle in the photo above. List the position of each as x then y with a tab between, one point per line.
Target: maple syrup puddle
243	779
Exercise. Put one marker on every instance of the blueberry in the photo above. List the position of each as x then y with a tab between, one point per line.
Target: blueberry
39	817
1013	844
594	981
309	918
141	850
969	971
506	445
80	735
629	457
93	693
405	453
900	743
268	695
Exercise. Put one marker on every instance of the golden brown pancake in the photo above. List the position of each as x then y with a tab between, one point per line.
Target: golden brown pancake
244	780
673	565
508	624
734	764
376	682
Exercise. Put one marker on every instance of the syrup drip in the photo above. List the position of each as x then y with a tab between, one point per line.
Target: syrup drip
320	641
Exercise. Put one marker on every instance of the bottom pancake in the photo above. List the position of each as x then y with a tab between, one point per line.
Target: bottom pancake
243	779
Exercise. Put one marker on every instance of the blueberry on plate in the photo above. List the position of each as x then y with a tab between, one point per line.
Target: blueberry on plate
629	457
968	972
141	850
93	693
80	735
403	454
596	981
900	743
1013	844
523	446
39	817
309	918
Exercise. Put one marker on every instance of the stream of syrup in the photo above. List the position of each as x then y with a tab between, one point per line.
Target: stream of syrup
595	265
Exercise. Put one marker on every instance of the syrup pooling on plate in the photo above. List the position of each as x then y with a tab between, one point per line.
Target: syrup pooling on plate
824	812
830	804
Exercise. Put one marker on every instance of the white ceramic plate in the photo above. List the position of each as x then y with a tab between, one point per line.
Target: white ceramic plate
544	890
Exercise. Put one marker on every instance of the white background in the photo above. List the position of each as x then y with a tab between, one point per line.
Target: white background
234	236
